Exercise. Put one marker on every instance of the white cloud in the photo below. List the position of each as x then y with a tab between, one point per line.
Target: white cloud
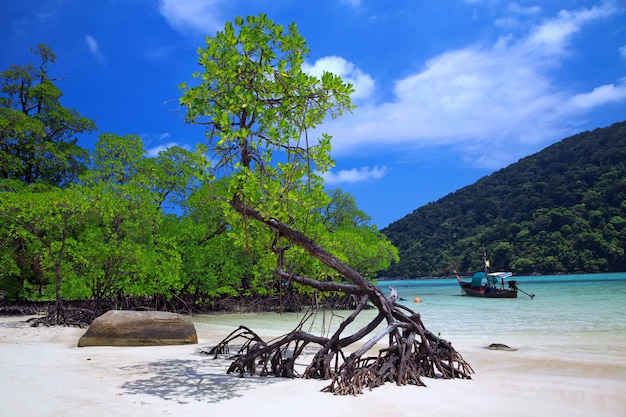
604	94
622	51
156	142
154	151
92	43
197	15
516	11
485	100
354	175
363	84
553	35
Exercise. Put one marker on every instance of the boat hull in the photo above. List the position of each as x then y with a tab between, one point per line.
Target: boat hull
486	292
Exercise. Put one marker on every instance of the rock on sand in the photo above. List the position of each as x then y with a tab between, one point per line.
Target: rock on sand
139	328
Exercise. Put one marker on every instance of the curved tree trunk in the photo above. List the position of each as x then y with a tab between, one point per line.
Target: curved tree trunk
412	351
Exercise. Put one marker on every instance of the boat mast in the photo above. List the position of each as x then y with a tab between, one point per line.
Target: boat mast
486	264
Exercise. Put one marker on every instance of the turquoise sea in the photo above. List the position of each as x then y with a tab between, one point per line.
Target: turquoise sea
572	317
577	315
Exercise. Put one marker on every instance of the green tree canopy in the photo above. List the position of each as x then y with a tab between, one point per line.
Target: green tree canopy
37	134
255	100
258	106
46	223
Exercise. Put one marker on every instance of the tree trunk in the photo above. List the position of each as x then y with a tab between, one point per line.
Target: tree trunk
412	352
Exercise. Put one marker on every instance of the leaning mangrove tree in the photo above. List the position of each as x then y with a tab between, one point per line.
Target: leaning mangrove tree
259	107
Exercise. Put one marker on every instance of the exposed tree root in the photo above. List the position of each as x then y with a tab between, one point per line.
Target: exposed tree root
405	361
412	353
58	315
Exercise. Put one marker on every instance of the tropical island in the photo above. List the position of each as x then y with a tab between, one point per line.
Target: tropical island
561	210
97	229
245	223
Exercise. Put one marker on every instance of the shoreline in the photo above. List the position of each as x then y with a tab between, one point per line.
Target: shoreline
469	275
46	374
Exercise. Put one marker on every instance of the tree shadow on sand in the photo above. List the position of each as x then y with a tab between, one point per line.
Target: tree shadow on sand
184	381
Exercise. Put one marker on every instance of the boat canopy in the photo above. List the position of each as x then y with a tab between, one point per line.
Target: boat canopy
500	275
492	278
477	279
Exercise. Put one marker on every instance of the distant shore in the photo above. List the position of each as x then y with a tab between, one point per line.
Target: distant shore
469	275
46	374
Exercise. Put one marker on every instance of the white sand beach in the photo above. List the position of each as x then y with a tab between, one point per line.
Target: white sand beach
44	373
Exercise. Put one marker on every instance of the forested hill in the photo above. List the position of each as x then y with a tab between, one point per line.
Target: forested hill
560	210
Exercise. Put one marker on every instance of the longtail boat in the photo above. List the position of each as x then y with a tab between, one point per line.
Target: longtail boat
490	285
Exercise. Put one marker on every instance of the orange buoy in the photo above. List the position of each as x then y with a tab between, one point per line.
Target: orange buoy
417	299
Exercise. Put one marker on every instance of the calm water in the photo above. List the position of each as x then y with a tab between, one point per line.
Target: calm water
572	316
576	314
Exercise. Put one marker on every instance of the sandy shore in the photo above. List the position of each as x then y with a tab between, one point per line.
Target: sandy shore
45	374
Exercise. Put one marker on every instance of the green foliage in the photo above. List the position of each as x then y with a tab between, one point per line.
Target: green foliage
213	265
44	223
256	101
139	226
258	105
37	134
11	277
560	210
125	251
352	238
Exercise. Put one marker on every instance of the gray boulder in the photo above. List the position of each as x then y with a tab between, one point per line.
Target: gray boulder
139	328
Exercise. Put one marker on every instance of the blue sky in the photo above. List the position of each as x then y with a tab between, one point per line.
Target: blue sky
447	92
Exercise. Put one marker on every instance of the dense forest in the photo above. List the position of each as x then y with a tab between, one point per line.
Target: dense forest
560	210
116	228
